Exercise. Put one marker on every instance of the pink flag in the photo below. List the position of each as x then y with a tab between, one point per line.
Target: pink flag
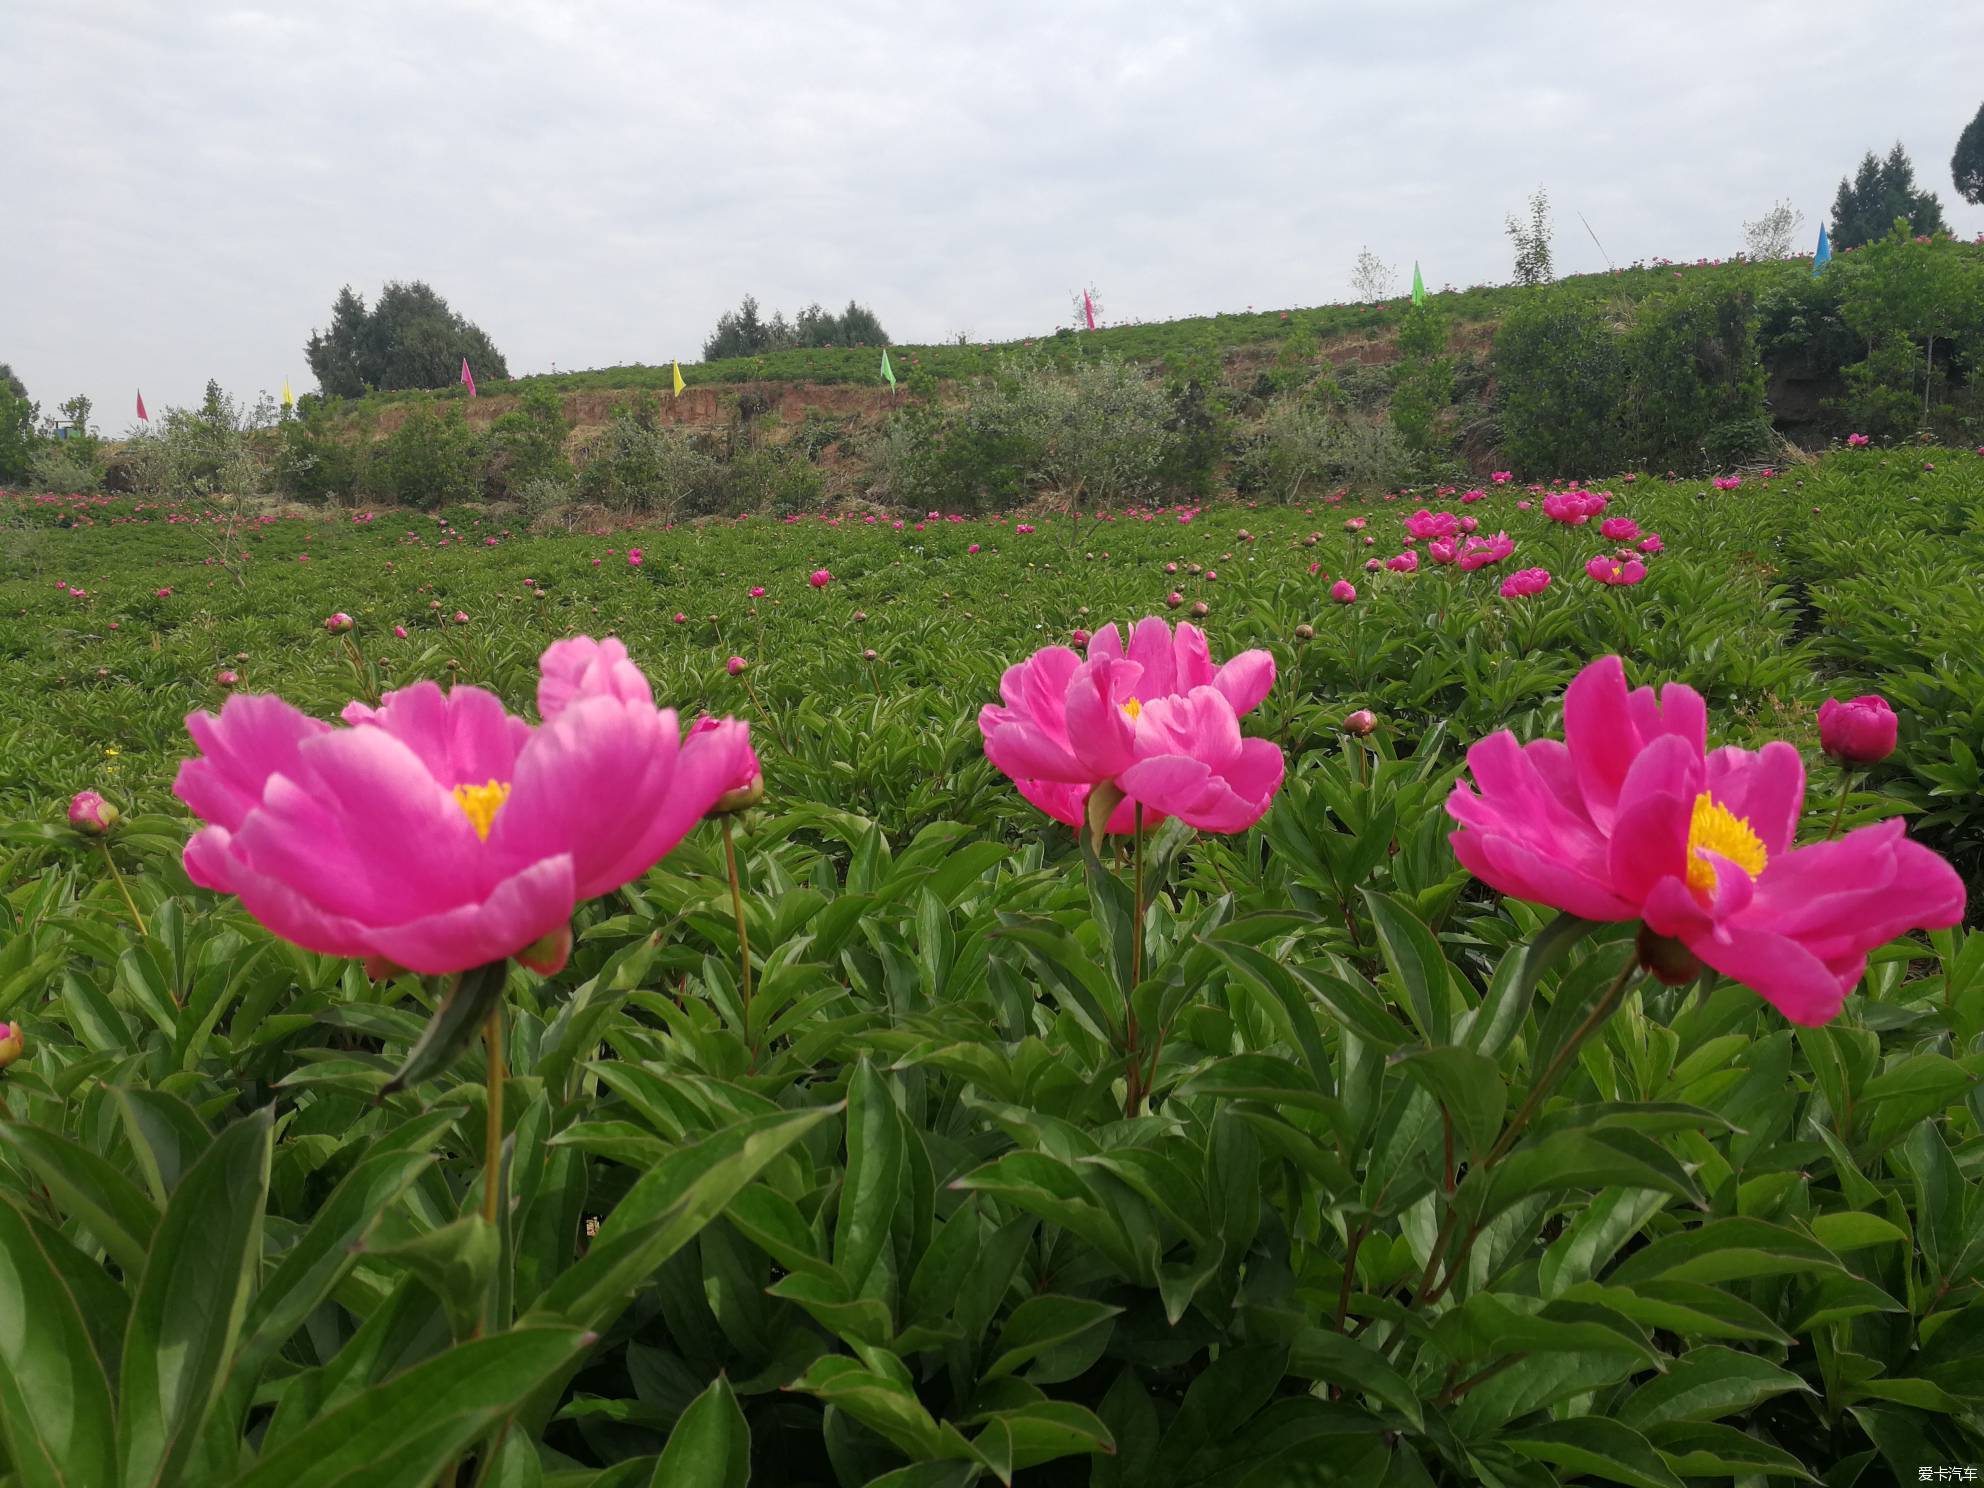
468	378
1088	309
142	415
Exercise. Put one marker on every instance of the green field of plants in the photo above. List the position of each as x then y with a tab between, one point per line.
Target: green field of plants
1128	1016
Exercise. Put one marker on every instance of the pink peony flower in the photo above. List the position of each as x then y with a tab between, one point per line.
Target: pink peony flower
1443	550
1728	482
1619	529
1631	818
1471	497
438	832
1612	571
226	677
1573	508
399	631
1525	582
736	665
819	578
90	814
1856	441
1501	477
1403	563
461	617
1356	524
746	786
1423	523
972	549
1860	732
1482	551
1159	722
1343	591
1651	543
165	593
1470	524
337	624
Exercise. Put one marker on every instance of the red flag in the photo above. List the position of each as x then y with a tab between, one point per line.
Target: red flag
468	378
142	415
1088	309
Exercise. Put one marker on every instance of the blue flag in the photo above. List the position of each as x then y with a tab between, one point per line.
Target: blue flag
1824	255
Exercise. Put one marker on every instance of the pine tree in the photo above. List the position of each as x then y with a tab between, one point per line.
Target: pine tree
1967	165
1880	191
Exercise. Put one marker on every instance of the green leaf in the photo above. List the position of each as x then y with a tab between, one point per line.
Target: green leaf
1724	1250
664	1211
710	1446
422	1417
1697	1451
166	1136
1492	1027
1415	959
55	1411
873	1186
1688	1308
1594	1445
1853	1230
90	1189
464	1008
1039	1323
1468	1086
456	1261
191	1301
1706	1384
1575	1158
883	1403
1320	1354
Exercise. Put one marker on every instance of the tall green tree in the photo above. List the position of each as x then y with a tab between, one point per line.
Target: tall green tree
1967	164
9	382
412	338
1880	191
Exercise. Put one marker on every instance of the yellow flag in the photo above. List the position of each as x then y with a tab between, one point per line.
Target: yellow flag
287	400
678	380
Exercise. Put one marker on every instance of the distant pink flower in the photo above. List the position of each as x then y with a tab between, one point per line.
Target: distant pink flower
1470	524
1343	591
1403	563
1423	523
1525	582
1354	524
400	632
1524	505
1482	551
1443	550
1573	508
437	832
461	617
1859	732
634	558
1501	477
819	578
1174	599
736	665
337	624
1619	529
680	618
226	677
1630	817
1157	720
972	549
1612	571
1728	482
1856	441
1651	543
1473	496
757	591
165	593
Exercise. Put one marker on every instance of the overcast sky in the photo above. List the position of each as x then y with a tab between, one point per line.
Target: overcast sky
593	181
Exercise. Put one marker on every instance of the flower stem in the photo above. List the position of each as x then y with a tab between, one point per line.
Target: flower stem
1600	1011
1133	1071
1845	790
492	1155
123	888
743	935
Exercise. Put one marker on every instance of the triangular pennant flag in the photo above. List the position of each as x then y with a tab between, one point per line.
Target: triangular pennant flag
288	401
679	384
888	371
468	378
1418	285
1088	309
143	417
1824	256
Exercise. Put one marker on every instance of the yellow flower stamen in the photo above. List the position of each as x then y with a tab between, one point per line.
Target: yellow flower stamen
480	803
1715	828
1134	708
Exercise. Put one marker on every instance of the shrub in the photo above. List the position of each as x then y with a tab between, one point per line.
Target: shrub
204	451
528	443
429	460
1302	447
1423	383
635	465
56	467
1561	378
1693	380
17	436
772	481
316	461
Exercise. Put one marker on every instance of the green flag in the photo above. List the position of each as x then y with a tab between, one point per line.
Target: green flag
888	371
1418	285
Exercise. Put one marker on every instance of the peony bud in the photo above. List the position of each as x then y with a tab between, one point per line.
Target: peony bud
736	665
1305	632
1861	732
1361	723
90	814
12	1043
337	624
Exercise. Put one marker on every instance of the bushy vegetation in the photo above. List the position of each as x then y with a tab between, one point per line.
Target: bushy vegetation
1882	190
849	1182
